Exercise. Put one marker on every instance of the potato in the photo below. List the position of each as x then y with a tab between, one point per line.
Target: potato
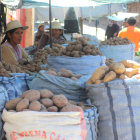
131	72
78	76
74	78
119	68
45	93
23	104
26	92
123	76
72	102
99	73
51	73
98	81
35	106
137	76
130	64
66	73
52	109
33	95
47	102
60	100
70	108
43	107
109	76
89	81
11	104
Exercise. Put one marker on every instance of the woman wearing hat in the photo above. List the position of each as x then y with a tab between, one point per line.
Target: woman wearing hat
57	36
11	49
39	33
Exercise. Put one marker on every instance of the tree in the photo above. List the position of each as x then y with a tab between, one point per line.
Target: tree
71	22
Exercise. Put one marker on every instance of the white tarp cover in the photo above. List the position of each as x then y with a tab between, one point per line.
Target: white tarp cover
42	14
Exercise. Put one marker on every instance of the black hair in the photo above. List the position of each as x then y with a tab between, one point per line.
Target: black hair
126	20
6	38
131	21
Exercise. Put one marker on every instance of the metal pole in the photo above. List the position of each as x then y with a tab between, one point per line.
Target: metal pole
50	18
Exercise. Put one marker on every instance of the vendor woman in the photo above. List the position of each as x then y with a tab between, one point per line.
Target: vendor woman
10	46
57	36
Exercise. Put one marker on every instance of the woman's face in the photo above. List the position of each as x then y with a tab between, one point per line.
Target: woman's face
41	28
56	32
16	36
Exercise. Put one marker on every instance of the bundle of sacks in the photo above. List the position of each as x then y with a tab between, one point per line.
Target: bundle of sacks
123	70
41	100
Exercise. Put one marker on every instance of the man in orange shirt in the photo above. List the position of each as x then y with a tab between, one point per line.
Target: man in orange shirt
131	32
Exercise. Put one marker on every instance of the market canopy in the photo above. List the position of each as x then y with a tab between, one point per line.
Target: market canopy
16	4
42	14
116	1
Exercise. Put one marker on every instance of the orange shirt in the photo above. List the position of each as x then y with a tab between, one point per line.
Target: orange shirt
133	34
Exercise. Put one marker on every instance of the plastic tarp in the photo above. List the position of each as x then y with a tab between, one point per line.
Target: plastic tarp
116	1
42	13
16	4
118	104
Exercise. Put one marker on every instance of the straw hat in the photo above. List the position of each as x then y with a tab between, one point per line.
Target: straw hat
15	24
57	25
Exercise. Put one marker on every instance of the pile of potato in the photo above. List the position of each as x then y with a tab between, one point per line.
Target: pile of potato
40	57
122	70
80	48
109	61
74	49
116	41
63	73
41	100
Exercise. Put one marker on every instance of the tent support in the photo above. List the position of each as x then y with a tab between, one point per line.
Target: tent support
50	18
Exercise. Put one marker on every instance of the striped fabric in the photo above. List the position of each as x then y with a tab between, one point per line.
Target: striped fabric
118	104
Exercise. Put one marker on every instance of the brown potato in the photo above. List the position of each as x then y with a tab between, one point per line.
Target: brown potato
119	68
109	76
130	64
45	93
33	95
35	106
99	73
60	100
23	104
47	102
70	108
52	109
123	76
11	104
131	72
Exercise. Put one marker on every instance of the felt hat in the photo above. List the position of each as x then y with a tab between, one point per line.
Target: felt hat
57	25
14	25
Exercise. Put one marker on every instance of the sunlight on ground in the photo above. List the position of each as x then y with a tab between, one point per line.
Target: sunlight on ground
92	31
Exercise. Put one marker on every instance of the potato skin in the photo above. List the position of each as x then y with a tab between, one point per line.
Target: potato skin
35	106
45	93
110	76
46	102
11	104
118	68
33	95
23	104
131	72
130	64
99	73
26	92
123	76
52	109
71	108
60	100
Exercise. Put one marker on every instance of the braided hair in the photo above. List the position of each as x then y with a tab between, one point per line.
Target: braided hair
6	38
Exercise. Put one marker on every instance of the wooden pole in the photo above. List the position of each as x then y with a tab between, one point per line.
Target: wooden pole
50	18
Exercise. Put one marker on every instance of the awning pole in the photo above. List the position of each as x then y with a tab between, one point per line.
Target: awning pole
50	18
